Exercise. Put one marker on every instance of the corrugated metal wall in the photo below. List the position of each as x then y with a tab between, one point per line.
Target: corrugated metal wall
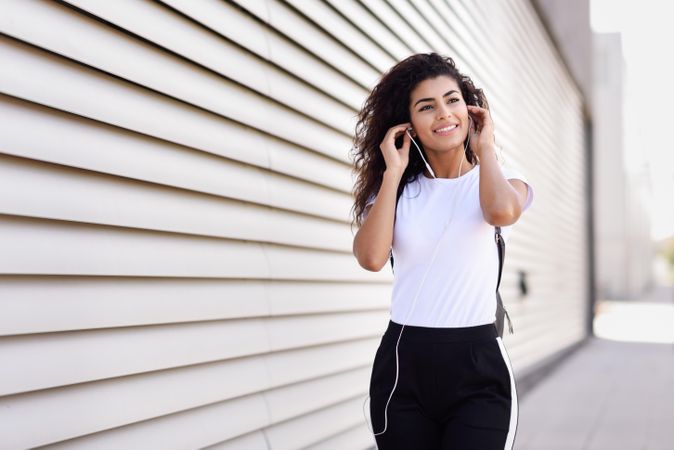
175	250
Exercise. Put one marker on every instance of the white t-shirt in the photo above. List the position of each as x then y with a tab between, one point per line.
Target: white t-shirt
460	287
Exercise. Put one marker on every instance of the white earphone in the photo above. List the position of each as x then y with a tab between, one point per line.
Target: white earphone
414	302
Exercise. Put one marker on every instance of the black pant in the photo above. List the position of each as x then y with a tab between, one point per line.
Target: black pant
455	390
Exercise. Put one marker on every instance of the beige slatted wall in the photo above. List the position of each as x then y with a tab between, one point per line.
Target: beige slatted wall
175	264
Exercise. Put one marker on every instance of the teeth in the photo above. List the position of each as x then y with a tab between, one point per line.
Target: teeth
449	128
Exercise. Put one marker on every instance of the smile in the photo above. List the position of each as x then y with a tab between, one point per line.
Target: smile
446	131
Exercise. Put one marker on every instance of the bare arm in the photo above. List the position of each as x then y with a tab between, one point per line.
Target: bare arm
501	200
374	239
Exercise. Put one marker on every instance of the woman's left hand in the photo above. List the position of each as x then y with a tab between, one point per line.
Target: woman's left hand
483	139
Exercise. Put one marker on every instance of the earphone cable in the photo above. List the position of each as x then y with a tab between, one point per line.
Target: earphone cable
435	251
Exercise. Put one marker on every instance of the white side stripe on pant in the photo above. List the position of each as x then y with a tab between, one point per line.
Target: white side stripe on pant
514	407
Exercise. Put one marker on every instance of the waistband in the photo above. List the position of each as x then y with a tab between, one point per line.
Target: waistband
431	334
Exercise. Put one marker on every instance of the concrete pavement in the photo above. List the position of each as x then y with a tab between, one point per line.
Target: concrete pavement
616	392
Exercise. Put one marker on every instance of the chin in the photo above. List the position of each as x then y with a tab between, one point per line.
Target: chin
448	143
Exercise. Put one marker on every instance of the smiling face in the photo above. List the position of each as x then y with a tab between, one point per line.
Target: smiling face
439	114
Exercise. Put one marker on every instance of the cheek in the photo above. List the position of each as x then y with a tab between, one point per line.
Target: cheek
422	123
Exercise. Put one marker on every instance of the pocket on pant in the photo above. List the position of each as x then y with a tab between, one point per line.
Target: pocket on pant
489	365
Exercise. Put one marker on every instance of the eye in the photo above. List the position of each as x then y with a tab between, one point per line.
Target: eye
451	100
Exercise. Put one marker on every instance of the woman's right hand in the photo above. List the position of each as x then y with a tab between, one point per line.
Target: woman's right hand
396	158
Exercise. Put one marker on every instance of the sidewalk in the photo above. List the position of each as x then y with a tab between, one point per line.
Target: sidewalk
616	392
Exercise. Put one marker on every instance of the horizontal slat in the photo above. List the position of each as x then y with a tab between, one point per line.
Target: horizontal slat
251	441
50	247
58	359
48	304
68	139
72	86
53	192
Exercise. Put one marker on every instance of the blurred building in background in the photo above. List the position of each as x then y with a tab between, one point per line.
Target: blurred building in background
623	242
176	266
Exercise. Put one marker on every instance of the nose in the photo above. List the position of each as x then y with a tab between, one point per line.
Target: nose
442	110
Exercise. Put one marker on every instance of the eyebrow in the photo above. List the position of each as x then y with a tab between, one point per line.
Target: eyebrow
428	99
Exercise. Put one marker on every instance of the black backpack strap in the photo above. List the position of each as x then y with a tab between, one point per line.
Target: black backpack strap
500	243
501	254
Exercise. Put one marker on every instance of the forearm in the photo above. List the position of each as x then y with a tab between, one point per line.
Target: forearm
498	198
373	241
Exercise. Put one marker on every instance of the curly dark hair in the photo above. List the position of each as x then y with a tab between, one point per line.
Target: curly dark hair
388	105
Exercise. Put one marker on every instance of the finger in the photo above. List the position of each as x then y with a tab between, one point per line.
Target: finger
401	125
477	110
395	131
400	129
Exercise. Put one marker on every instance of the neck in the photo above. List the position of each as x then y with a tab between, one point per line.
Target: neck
448	164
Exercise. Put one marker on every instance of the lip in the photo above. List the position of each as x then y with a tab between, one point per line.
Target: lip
446	133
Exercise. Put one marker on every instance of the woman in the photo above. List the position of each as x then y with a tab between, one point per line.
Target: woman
441	377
